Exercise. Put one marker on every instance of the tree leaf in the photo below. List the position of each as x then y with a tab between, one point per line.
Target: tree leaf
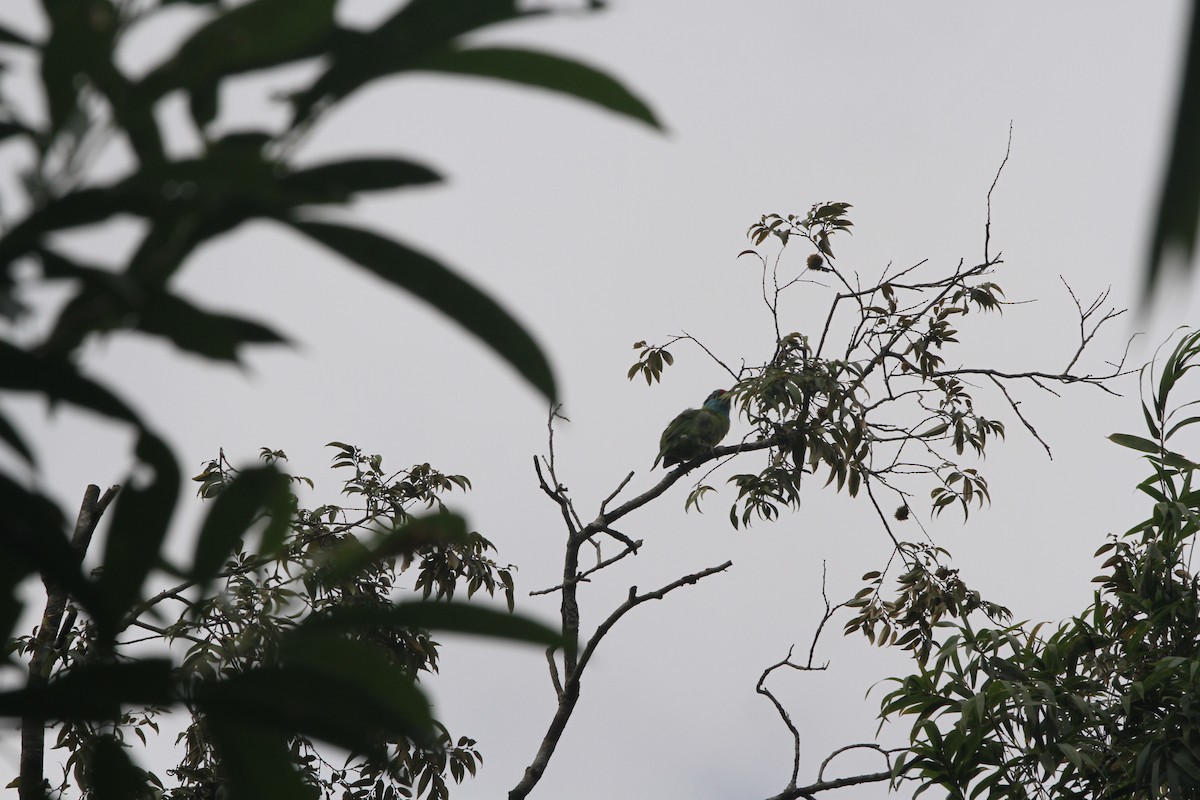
337	181
352	556
1175	224
442	616
253	492
94	691
1135	442
9	36
362	695
444	290
112	774
140	519
254	757
13	439
59	380
206	333
417	29
252	36
544	71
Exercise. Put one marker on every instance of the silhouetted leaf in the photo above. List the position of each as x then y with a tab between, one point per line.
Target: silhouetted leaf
59	380
82	40
8	129
254	758
253	492
1175	224
33	539
352	556
9	36
256	35
94	691
441	616
420	28
13	439
140	519
82	207
544	71
444	290
206	333
336	182
113	775
362	695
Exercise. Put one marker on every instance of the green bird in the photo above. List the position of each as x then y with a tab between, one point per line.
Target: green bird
694	432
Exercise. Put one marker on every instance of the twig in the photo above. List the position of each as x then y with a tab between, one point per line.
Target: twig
987	225
1028	425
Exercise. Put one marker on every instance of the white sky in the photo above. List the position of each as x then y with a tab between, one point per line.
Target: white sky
598	232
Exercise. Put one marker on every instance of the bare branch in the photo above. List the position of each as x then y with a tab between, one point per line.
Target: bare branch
987	226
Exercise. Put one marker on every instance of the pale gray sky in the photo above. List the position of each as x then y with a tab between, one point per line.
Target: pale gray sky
598	232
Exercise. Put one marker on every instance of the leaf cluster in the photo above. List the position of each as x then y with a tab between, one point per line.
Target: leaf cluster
316	608
1104	705
182	203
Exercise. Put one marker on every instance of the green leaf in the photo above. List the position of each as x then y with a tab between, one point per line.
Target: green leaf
94	691
544	71
444	290
254	757
253	492
362	696
59	380
140	518
1175	224
442	616
1135	442
192	329
82	207
336	182
33	540
12	437
81	42
112	775
351	557
418	29
9	36
252	36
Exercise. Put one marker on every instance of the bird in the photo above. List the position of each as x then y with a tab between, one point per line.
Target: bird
695	431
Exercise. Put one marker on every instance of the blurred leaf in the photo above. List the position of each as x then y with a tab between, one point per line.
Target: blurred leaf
113	775
254	758
82	40
107	300
1175	224
140	519
82	207
344	692
33	540
94	691
253	492
8	129
441	616
544	71
216	336
9	36
441	288
253	36
434	530
418	29
13	439
59	380
336	182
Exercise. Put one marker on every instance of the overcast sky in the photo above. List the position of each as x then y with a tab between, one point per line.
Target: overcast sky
598	232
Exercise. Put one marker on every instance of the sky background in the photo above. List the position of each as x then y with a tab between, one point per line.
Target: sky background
598	232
